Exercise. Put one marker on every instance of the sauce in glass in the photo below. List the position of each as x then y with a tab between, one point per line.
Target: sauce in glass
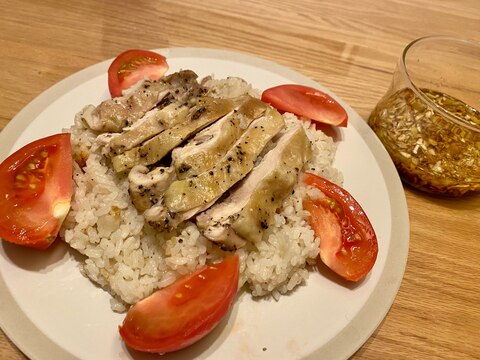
431	152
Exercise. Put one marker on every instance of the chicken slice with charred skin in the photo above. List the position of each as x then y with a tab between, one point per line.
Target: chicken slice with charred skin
146	187
249	210
205	112
186	198
113	115
209	146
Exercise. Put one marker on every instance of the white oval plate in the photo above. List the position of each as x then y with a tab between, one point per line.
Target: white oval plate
50	311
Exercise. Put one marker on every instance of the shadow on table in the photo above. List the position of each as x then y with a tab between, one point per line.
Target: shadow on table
467	202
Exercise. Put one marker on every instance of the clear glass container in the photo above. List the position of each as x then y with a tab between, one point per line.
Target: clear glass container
429	119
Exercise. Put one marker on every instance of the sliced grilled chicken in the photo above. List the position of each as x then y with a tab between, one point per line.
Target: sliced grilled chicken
188	197
207	111
146	187
184	195
211	144
154	122
113	115
159	216
249	209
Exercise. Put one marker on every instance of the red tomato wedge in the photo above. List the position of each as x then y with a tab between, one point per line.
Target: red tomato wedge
177	316
348	244
306	102
35	191
131	66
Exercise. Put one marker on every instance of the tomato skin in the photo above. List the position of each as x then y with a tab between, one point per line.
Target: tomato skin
132	66
179	315
306	102
348	244
35	191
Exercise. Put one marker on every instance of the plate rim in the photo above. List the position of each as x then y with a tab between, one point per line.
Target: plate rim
15	323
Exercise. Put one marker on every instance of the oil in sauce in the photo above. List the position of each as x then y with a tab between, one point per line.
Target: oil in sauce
430	151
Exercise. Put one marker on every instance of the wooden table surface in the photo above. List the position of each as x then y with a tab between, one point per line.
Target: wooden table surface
351	47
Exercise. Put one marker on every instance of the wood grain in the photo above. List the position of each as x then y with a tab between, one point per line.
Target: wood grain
350	47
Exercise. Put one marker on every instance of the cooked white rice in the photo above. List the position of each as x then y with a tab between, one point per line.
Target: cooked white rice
131	260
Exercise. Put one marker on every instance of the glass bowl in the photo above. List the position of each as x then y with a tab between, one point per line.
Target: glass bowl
428	120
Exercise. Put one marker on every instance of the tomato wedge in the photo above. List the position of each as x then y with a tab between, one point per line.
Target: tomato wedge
306	102
348	244
35	191
134	65
177	316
